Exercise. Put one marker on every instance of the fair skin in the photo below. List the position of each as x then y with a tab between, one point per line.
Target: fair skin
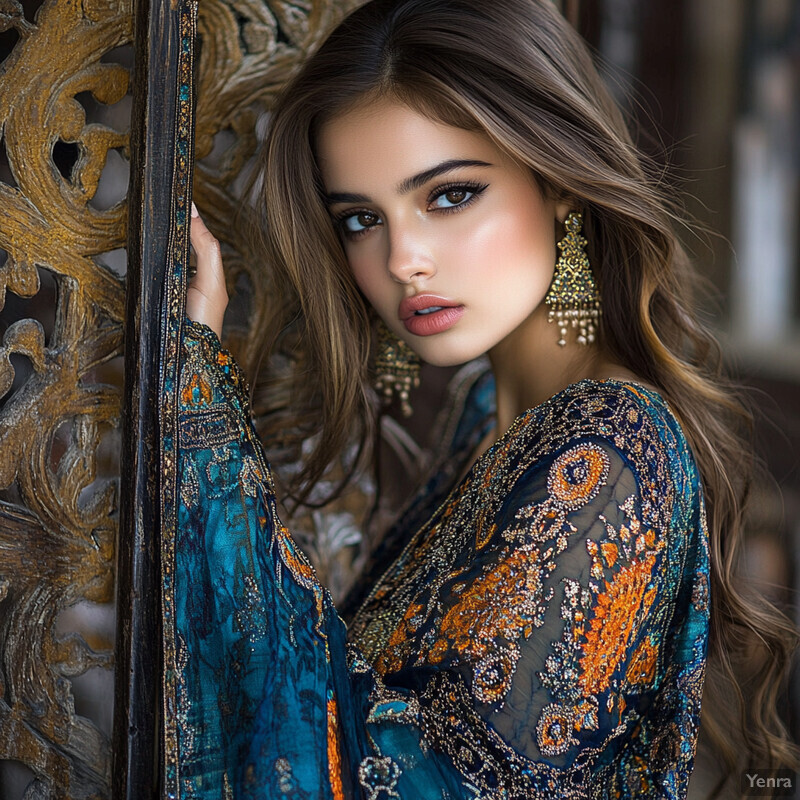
441	218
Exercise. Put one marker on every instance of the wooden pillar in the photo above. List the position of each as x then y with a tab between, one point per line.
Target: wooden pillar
161	37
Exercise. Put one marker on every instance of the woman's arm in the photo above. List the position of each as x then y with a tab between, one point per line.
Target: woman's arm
270	701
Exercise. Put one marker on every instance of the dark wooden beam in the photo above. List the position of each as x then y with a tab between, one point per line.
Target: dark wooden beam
137	716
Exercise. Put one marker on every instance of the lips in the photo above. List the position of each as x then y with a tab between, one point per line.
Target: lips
426	314
420	304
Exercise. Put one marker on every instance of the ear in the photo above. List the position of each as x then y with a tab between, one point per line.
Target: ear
563	207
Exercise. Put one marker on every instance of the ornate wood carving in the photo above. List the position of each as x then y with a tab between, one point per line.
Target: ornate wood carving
249	49
58	398
57	526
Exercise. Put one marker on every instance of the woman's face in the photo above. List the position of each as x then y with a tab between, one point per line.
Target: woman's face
448	238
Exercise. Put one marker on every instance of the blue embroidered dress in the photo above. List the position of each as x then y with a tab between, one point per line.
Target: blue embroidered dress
538	630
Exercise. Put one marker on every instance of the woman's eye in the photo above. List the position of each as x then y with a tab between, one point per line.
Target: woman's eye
355	223
452	197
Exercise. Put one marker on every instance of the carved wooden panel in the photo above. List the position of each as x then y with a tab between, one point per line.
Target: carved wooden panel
62	224
249	48
64	149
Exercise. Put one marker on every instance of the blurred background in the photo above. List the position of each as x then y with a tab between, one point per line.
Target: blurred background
712	88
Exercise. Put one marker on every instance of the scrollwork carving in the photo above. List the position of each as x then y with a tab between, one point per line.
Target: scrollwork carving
57	536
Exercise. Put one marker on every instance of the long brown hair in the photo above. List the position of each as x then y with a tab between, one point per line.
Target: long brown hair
517	72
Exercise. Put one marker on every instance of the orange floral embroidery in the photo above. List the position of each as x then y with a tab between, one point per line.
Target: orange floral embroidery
492	675
334	750
501	603
391	658
576	475
610	552
295	561
302	571
436	653
554	730
642	668
197	392
625	599
492	605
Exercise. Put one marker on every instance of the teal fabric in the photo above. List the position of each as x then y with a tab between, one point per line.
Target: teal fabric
540	630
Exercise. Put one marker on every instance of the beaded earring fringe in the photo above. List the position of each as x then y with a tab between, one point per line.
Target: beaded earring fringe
573	297
397	369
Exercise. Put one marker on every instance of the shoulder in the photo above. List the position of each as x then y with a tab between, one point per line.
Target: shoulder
634	422
625	413
599	433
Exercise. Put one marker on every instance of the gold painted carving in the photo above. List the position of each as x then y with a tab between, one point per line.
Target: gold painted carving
249	50
59	395
57	521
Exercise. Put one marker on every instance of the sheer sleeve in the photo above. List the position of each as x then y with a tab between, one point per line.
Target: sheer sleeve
543	635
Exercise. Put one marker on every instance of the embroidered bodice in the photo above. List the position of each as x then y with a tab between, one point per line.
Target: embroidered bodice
539	631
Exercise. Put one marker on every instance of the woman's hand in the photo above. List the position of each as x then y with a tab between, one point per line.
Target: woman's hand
207	297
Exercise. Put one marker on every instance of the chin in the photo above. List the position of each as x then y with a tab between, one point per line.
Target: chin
438	358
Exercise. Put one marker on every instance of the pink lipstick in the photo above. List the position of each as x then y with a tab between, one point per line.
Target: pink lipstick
426	314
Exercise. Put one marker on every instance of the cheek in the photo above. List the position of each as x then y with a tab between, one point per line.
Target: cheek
367	276
510	241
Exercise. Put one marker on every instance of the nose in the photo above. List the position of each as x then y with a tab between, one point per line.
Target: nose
410	257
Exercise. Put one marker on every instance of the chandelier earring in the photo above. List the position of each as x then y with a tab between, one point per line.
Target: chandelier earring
397	368
573	298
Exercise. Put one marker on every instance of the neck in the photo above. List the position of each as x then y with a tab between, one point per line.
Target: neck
530	366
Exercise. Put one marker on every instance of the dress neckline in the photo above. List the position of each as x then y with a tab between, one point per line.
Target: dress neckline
524	416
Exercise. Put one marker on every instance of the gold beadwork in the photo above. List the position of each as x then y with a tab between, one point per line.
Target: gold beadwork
397	368
573	297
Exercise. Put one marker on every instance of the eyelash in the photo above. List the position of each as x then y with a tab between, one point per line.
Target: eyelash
476	190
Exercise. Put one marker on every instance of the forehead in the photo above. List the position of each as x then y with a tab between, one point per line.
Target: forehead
383	142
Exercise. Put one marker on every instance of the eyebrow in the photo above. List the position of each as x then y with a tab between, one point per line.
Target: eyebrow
409	184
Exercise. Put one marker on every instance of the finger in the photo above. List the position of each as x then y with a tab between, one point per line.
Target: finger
209	259
207	296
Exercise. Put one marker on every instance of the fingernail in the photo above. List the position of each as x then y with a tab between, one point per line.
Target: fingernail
195	212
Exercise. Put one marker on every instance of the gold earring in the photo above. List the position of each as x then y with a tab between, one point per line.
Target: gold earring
397	368
573	297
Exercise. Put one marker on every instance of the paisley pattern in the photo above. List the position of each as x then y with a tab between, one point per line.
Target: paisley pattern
540	629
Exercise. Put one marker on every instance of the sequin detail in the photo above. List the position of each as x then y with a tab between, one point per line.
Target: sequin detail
620	495
554	730
197	392
378	777
577	475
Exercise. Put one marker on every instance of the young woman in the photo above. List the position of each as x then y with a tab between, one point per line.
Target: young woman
538	623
